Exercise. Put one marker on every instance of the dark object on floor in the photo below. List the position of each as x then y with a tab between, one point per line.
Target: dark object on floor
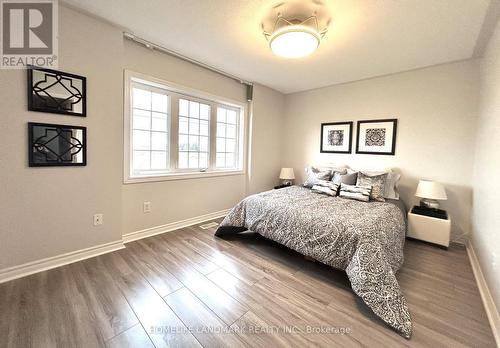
228	230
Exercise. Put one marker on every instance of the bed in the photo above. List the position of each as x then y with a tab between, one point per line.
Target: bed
365	240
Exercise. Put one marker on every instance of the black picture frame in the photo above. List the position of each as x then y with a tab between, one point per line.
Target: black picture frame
41	100
323	125
394	121
36	145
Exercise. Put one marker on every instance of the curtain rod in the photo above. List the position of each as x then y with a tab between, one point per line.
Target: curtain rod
162	49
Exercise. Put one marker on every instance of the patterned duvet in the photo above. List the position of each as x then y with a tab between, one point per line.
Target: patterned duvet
364	239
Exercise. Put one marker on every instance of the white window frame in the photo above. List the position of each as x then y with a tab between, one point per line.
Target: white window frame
176	149
238	135
179	91
151	172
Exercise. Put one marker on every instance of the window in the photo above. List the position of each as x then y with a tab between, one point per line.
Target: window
172	132
149	130
194	134
227	137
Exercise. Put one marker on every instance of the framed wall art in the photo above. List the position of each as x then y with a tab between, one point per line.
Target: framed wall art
336	137
56	92
56	145
377	137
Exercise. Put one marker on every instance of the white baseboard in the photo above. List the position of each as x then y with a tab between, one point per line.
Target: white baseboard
23	270
489	304
148	232
26	269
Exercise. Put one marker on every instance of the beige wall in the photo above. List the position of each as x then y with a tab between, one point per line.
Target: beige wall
267	139
486	215
48	211
436	112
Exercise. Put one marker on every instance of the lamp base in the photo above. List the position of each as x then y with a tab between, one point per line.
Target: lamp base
429	203
287	182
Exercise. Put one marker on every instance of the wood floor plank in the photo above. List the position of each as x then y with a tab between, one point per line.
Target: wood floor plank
274	312
198	261
7	298
107	306
70	322
224	260
162	325
48	311
461	329
316	316
205	325
222	304
31	308
258	333
135	337
243	292
175	263
157	275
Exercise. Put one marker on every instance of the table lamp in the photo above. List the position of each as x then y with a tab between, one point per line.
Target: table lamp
431	192
287	176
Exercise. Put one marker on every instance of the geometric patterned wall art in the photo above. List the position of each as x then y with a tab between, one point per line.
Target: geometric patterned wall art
56	145
377	137
56	92
336	137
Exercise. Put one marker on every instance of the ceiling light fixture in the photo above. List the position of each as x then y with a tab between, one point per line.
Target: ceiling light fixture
293	38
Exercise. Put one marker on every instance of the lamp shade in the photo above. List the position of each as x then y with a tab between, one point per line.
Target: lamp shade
287	174
431	190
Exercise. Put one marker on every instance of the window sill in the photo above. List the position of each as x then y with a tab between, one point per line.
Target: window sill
181	176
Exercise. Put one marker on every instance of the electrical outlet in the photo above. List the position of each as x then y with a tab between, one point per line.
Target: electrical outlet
98	219
494	263
146	207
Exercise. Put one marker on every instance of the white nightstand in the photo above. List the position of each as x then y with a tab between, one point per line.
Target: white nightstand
429	229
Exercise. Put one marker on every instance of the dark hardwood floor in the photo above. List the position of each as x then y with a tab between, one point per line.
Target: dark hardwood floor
187	288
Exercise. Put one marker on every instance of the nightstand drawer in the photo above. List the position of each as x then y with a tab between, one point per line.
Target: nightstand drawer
429	229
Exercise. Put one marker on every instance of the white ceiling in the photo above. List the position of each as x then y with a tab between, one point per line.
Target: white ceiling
366	38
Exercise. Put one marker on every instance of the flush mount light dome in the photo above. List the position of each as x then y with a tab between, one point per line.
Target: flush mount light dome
294	38
294	41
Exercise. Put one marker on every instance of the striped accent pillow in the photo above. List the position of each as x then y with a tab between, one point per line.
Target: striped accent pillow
359	193
329	189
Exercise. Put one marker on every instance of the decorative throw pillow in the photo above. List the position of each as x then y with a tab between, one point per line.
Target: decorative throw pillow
391	183
347	178
359	193
327	183
377	182
331	189
314	174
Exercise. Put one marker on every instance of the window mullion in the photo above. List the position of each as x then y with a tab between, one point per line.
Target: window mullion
151	130
213	135
174	132
237	142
